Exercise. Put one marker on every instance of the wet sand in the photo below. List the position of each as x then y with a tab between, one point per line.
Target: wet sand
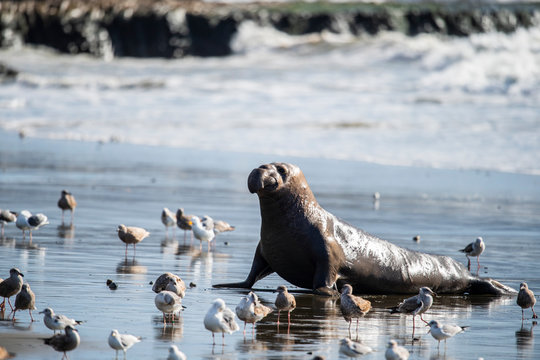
67	268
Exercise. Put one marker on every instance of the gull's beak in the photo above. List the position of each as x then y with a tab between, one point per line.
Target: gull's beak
190	223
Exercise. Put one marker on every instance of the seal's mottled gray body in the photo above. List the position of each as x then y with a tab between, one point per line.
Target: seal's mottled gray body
311	248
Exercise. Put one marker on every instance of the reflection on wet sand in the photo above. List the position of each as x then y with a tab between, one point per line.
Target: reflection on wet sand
66	231
130	267
525	337
172	331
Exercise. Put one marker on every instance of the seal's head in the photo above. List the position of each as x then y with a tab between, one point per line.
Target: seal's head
275	178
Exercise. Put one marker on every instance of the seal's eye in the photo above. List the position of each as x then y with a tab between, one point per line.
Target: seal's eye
281	170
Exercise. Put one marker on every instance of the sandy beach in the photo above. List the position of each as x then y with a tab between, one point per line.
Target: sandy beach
117	183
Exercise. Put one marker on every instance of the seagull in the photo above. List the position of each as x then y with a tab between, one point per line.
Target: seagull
7	216
170	282
168	303
220	318
443	332
184	222
131	235
168	218
67	202
27	221
396	352
416	305
25	300
11	286
526	299
474	249
250	310
202	233
219	225
175	354
56	321
285	302
65	342
122	342
350	348
353	306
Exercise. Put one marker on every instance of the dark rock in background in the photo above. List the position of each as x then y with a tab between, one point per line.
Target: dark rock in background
175	28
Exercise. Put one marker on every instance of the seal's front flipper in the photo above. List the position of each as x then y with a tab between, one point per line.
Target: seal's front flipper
259	269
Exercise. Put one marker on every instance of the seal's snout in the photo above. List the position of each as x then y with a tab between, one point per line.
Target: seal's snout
261	178
256	180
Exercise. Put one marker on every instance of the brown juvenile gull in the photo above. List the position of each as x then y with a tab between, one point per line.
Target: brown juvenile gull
168	303
27	221
474	249
65	342
526	299
350	348
67	202
11	286
25	300
285	302
220	318
168	218
250	310
57	321
7	216
184	222
353	306
170	282
396	352
122	342
443	332
131	235
416	305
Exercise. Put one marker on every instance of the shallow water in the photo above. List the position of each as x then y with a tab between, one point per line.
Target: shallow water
115	183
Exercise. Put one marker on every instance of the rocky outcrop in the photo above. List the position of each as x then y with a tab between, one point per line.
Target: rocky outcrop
175	28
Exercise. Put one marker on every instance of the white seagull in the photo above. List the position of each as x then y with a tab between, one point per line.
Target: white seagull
175	353
474	249
27	221
250	310
168	303
353	349
443	332
396	352
57	321
201	232
416	305
122	342
220	319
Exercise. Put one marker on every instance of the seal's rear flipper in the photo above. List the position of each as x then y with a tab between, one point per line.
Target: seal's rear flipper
483	286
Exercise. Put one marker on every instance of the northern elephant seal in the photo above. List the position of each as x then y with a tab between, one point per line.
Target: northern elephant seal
311	248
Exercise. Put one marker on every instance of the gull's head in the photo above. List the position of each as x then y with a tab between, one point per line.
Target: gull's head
346	289
122	228
25	213
25	287
523	285
252	296
65	192
479	240
345	341
195	221
114	333
218	304
281	289
173	349
434	324
15	272
392	344
47	311
70	329
425	291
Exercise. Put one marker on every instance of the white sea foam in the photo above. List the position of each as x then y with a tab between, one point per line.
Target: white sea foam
427	100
